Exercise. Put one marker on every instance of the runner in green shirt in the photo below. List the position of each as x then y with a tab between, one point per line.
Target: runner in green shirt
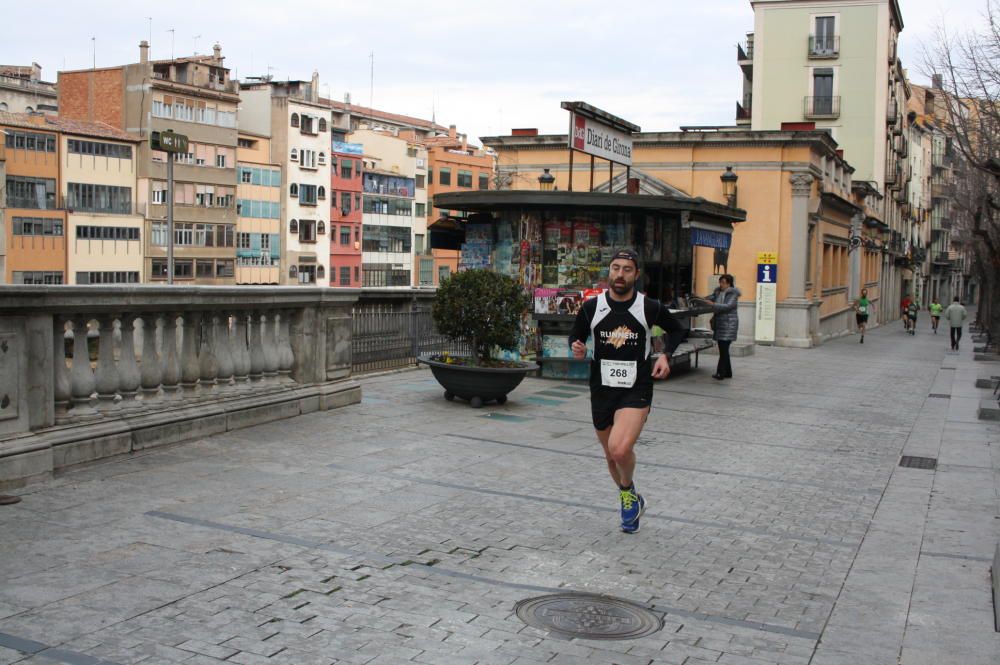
861	308
935	308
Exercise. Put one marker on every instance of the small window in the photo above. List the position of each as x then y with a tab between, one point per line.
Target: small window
293	190
295	155
321	228
295	120
322	124
293	272
321	192
322	158
320	272
293	226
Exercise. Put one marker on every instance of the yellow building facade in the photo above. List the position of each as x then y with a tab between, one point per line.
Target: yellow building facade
800	202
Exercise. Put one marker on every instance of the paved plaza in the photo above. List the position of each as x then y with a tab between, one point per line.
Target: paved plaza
781	528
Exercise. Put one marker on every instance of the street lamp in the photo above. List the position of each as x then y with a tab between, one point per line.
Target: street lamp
729	186
546	181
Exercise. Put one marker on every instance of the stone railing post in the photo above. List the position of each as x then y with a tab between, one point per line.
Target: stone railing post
61	381
208	366
82	382
128	370
168	352
106	376
241	352
151	373
256	348
190	368
285	355
223	348
270	344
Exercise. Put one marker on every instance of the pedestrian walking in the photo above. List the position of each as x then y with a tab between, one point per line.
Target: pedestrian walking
904	308
725	323
861	313
935	309
956	317
911	314
622	371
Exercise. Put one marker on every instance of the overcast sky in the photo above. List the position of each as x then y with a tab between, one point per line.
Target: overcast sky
484	66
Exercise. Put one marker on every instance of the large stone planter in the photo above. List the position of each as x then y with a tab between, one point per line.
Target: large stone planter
477	385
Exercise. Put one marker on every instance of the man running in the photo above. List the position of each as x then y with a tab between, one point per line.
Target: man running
956	317
621	372
905	308
935	309
911	313
861	313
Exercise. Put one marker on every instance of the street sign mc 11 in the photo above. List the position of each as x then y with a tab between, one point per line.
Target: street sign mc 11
168	142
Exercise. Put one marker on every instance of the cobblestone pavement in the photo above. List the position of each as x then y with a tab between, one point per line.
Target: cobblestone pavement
780	530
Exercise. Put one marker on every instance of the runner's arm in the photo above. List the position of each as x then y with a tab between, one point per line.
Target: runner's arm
581	325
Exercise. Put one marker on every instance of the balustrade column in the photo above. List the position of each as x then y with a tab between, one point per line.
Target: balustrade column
223	349
256	348
168	352
241	353
62	388
106	376
152	373
270	343
190	368
82	380
128	370
285	356
208	365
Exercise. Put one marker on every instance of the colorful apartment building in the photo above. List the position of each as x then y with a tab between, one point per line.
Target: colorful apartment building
34	217
258	212
69	209
288	112
388	208
192	96
452	166
346	178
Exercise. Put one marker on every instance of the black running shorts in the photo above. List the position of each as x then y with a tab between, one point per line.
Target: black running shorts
604	402
861	318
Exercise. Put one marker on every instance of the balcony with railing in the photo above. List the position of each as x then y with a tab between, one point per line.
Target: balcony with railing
941	190
823	46
827	106
742	113
744	56
891	112
892	169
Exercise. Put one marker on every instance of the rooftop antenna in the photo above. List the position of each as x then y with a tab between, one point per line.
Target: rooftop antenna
371	91
171	31
93	44
196	38
150	19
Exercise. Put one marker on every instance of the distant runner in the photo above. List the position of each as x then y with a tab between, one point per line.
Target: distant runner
861	308
622	372
935	309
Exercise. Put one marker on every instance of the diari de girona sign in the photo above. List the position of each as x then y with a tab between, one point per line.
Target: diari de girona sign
595	138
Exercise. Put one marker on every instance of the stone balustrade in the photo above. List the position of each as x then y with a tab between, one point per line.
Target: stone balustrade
92	371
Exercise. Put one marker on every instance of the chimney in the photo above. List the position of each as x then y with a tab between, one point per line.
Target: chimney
217	53
314	89
465	142
347	99
143	52
452	131
937	81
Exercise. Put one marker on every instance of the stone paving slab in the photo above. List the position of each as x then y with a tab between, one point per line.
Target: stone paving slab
404	529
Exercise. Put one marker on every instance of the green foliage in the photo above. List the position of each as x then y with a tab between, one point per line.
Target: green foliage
481	308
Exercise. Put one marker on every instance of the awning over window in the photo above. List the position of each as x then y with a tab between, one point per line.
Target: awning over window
706	238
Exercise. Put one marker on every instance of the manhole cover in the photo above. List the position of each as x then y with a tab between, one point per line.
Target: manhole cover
589	616
918	462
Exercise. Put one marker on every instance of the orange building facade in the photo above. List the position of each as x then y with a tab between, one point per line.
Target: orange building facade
801	205
452	166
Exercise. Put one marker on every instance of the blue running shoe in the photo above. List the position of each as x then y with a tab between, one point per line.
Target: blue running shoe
633	505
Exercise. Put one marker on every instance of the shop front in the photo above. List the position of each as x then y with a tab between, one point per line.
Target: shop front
559	245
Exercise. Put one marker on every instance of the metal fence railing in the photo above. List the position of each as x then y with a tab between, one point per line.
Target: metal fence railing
389	335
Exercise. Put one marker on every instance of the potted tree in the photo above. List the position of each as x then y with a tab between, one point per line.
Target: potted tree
483	310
